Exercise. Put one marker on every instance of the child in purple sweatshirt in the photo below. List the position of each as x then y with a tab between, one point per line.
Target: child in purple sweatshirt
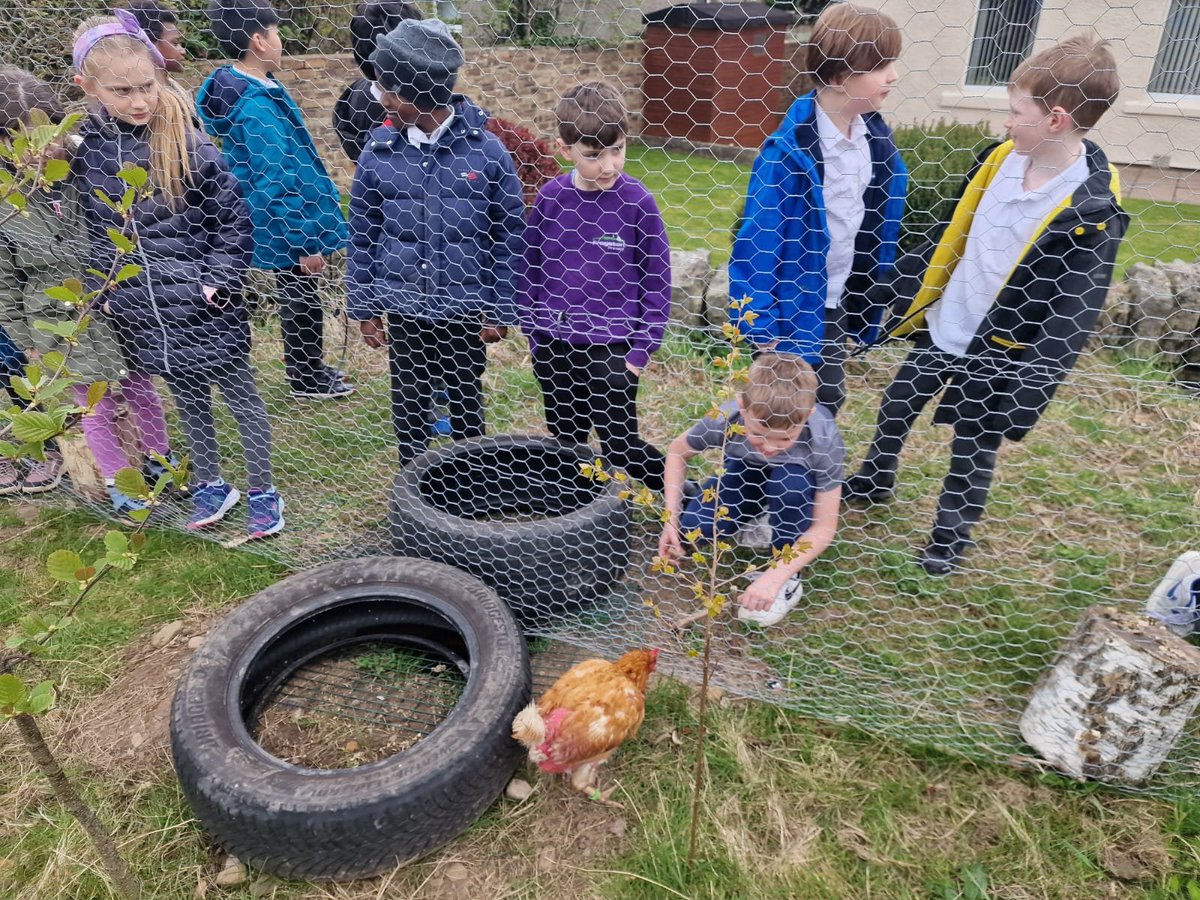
598	288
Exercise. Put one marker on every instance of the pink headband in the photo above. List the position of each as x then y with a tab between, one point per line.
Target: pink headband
127	24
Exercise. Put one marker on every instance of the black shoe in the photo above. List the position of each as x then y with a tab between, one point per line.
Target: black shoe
942	559
322	385
859	490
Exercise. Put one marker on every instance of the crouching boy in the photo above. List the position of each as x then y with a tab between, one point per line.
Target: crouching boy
783	455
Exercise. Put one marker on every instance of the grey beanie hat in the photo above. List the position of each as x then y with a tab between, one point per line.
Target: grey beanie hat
419	61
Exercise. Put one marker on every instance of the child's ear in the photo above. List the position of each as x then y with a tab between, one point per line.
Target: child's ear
563	148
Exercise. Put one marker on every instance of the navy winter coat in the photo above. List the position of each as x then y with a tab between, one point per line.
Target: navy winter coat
436	231
165	324
294	204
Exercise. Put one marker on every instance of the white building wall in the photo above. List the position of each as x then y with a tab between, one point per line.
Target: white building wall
1143	131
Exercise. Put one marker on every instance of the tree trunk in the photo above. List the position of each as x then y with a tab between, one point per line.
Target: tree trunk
1116	700
110	857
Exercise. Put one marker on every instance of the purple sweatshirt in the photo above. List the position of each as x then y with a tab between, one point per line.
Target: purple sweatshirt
598	268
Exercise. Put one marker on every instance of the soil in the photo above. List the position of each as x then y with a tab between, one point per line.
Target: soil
123	731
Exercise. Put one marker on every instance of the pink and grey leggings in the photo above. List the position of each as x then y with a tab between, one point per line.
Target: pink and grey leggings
100	428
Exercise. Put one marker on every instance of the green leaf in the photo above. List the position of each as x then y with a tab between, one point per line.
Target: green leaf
132	482
41	699
33	373
134	175
1193	890
63	564
87	573
12	691
21	388
63	293
53	361
9	450
96	391
126	272
73	284
139	515
137	541
116	542
32	425
123	243
56	170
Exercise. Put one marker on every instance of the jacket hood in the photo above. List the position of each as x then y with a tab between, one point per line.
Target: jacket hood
798	129
220	95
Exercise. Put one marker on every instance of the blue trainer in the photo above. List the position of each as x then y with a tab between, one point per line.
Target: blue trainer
212	500
441	418
266	513
122	503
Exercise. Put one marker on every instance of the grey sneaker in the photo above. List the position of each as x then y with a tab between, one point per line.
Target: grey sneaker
43	475
756	534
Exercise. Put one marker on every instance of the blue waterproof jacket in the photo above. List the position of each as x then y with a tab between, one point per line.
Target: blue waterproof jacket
779	255
165	324
294	204
436	232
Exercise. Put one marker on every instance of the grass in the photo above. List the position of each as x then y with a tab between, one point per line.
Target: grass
700	199
794	808
1090	508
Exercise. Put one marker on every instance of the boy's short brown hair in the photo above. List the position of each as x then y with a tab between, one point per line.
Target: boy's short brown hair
780	392
848	39
592	113
1078	74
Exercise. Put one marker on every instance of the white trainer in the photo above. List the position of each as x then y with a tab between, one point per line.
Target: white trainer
785	601
1176	600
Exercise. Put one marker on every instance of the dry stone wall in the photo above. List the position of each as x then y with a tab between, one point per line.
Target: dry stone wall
1155	312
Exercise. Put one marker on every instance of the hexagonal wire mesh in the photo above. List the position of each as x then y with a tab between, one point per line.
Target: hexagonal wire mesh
252	280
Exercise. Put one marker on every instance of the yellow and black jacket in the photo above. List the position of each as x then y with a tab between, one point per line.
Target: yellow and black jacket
1042	317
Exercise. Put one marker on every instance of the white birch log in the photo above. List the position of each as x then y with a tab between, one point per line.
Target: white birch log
1116	699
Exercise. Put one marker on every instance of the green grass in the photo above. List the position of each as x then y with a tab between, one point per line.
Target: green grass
1090	508
792	808
1160	232
699	197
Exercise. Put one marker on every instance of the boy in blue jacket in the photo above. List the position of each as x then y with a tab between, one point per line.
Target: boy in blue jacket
436	222
823	207
294	204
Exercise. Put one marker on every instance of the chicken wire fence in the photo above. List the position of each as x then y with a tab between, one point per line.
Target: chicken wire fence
1092	505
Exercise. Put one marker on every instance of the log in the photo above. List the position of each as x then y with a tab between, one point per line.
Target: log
1116	699
81	466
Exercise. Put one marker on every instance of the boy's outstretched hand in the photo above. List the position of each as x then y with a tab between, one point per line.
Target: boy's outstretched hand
761	592
373	332
669	545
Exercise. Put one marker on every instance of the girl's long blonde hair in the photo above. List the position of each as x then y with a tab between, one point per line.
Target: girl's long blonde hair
170	125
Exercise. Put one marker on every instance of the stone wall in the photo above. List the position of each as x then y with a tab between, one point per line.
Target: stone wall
516	83
1155	312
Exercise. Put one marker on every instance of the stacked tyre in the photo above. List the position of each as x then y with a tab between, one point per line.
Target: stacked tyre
516	512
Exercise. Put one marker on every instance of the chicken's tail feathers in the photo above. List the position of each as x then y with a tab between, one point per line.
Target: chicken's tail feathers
529	728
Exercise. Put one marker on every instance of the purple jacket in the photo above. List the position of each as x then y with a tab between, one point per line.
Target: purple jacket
598	268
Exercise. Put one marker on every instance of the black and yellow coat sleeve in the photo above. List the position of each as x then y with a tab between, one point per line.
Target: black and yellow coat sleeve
1042	317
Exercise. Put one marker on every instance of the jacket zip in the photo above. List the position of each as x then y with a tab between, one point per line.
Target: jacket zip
141	252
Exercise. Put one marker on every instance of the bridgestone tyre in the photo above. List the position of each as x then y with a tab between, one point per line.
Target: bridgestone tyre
349	823
516	512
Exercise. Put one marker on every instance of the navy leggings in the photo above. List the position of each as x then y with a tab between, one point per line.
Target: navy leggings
784	492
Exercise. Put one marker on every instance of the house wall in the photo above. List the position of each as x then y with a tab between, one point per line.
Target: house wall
1156	142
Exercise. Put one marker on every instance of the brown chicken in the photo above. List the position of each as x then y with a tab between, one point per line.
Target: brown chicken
586	715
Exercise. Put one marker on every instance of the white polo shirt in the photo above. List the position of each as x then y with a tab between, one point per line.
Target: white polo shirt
847	174
1003	226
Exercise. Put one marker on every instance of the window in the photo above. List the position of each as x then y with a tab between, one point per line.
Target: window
1004	34
1177	66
